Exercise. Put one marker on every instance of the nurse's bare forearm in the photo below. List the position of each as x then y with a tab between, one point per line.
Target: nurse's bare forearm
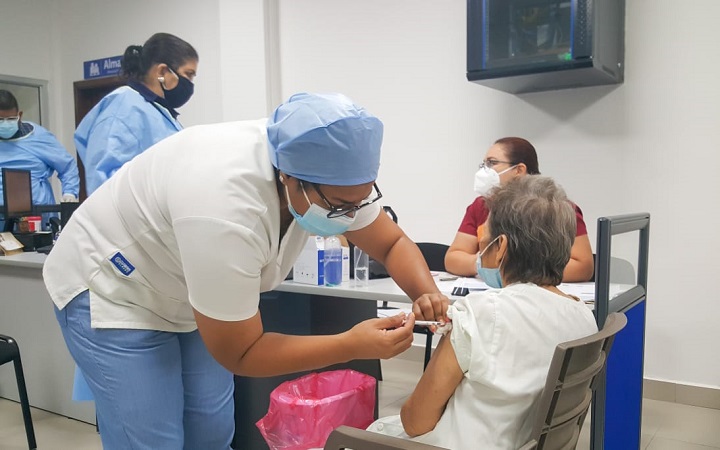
407	266
276	354
386	242
242	347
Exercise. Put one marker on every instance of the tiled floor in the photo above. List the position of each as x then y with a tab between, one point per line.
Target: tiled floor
666	426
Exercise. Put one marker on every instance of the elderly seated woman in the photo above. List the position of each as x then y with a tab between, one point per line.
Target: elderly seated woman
482	385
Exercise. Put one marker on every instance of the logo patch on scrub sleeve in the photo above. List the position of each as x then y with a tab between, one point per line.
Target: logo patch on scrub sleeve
122	264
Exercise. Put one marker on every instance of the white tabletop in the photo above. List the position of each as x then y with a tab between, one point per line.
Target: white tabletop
32	260
384	290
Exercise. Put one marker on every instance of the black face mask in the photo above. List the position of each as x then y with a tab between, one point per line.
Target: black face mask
178	96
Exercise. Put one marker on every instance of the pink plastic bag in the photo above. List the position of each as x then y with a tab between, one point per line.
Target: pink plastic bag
303	412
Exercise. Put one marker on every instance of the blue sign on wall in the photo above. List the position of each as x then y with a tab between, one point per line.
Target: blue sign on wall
102	67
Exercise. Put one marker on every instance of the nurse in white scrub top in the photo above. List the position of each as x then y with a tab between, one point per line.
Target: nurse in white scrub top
156	278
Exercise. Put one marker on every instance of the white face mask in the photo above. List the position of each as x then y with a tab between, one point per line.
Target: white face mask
486	179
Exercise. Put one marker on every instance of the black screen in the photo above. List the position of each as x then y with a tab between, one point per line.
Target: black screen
17	193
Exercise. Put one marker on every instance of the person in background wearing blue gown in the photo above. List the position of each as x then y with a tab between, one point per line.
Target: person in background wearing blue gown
28	146
130	119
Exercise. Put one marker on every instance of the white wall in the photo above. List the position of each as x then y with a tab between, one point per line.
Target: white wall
243	64
228	35
26	54
647	145
30	54
89	29
640	146
52	39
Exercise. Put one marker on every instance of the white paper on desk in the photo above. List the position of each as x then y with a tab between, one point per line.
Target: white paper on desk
586	291
445	286
583	291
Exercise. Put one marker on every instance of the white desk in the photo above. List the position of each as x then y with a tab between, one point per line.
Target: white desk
26	314
384	290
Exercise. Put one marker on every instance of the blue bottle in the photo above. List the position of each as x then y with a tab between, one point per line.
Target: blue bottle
332	264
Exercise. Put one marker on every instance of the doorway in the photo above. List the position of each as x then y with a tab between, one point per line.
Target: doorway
87	94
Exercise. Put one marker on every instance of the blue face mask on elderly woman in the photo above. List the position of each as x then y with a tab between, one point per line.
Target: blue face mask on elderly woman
315	219
490	276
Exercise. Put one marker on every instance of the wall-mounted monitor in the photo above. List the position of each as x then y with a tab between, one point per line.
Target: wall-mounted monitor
521	46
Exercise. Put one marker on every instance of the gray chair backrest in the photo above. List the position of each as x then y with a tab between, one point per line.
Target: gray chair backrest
566	397
351	438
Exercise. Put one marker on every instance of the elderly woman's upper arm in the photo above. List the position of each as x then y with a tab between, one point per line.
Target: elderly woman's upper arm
423	409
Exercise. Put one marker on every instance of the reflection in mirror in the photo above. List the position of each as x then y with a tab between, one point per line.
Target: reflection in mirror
31	95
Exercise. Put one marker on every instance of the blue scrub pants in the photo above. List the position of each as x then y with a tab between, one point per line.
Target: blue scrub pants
153	390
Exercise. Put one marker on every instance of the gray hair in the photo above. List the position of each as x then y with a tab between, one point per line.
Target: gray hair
539	222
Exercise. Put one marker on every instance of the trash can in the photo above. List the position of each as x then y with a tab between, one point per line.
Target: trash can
303	412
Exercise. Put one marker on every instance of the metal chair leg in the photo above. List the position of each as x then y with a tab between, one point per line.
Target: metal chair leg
428	348
24	403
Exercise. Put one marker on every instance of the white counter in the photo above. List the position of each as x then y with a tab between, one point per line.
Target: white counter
26	314
31	260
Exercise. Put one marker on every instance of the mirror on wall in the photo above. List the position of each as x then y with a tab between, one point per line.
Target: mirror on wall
32	98
31	95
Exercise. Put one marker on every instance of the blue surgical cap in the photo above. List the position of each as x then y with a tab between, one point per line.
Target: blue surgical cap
325	139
